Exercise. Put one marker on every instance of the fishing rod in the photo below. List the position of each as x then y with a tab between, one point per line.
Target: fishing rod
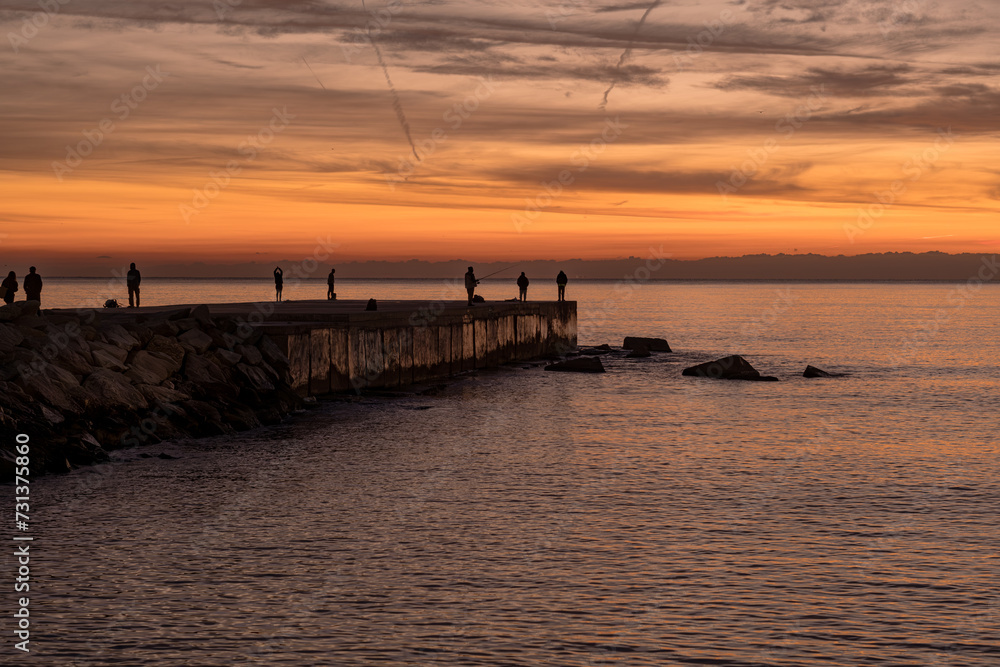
496	272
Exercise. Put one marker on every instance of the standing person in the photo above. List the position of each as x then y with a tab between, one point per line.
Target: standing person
279	280
132	280
561	281
330	294
522	285
470	284
32	285
9	286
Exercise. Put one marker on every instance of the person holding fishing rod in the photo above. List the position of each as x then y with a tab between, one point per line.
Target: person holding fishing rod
471	281
470	284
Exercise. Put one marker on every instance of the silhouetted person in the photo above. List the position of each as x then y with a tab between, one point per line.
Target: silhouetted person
9	286
132	280
470	284
279	280
330	294
522	285
561	281
32	285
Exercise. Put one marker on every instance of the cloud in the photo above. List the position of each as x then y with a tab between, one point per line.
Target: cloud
873	80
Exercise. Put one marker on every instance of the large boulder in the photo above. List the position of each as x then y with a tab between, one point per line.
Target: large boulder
10	337
104	359
255	377
166	347
117	335
580	365
733	367
272	354
17	310
651	344
251	354
639	352
52	387
202	370
151	368
109	390
197	339
114	351
813	372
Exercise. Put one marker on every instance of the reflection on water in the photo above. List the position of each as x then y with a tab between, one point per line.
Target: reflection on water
529	518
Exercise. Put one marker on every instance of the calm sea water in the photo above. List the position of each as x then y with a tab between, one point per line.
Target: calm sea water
529	518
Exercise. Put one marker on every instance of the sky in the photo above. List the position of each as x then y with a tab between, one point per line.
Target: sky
234	131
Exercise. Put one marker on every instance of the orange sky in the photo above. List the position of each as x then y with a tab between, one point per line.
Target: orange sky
248	130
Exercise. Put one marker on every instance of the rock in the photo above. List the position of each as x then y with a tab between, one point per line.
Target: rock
272	354
51	416
202	370
18	309
109	390
117	335
733	367
114	351
813	372
84	449
197	339
240	417
179	314
150	368
201	314
581	365
164	327
164	346
255	377
372	305
155	394
651	344
638	352
10	337
227	357
43	388
187	324
141	333
103	359
166	457
251	354
206	417
73	361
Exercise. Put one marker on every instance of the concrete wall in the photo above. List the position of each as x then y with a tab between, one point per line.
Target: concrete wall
372	349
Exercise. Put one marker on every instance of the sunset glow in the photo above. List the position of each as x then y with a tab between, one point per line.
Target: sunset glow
240	131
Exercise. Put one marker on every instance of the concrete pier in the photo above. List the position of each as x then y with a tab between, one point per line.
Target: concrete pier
336	346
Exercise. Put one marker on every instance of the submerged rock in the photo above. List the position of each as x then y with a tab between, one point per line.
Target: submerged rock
580	365
651	344
813	372
733	367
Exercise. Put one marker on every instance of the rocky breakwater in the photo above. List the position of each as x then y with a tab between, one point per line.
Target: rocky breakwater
81	383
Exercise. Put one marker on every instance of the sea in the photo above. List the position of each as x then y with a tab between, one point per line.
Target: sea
522	517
